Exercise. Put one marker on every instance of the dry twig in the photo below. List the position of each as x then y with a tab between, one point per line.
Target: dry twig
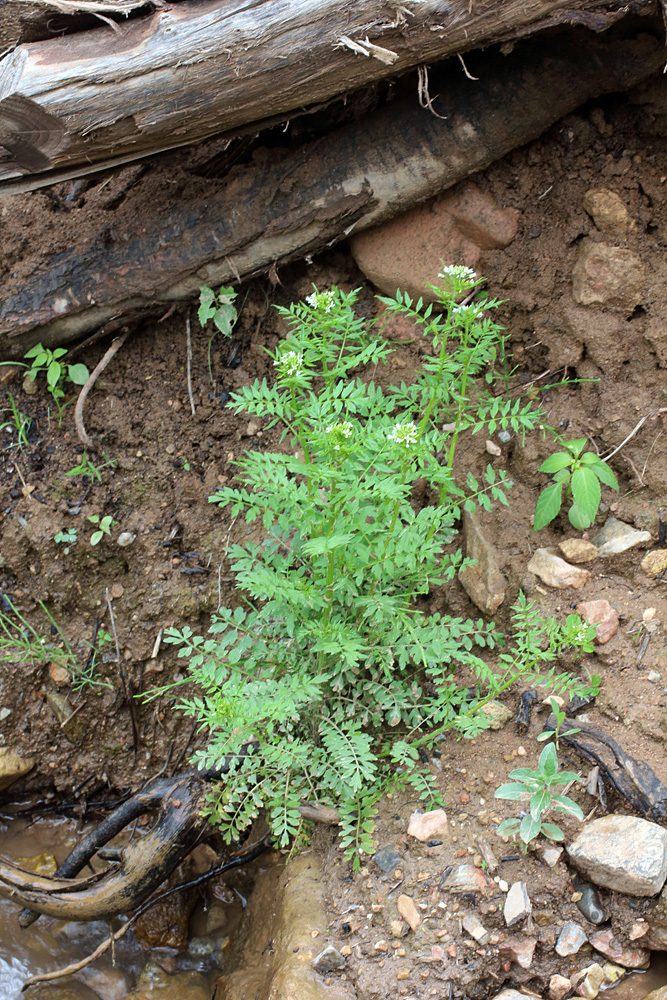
188	363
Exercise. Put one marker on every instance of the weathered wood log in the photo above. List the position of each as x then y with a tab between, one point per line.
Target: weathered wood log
353	178
203	67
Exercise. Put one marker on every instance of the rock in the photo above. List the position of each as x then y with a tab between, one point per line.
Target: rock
608	212
397	927
71	724
558	987
654	562
405	252
425	826
474	928
590	904
576	550
570	939
659	994
73	991
612	972
587	982
465	878
638	930
602	615
40	864
654	676
388	859
493	449
617	536
12	767
555	572
407	909
517	904
497	714
510	994
519	950
124	539
328	960
629	958
552	855
484	583
156	984
165	925
608	276
624	853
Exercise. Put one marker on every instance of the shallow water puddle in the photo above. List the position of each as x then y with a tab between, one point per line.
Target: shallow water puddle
639	984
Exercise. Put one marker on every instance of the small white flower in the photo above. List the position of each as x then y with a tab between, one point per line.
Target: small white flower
321	300
290	364
405	434
343	429
459	272
470	312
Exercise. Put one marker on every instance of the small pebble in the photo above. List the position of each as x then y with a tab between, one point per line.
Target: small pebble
504	436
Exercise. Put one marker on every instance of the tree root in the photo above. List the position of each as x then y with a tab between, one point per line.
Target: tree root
84	436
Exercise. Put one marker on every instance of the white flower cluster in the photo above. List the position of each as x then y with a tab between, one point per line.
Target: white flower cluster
459	272
343	429
580	634
290	364
470	312
405	434
321	300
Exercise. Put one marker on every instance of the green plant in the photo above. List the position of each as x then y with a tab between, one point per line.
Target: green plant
57	371
104	526
579	473
67	537
329	651
20	423
185	465
538	787
221	309
557	734
86	468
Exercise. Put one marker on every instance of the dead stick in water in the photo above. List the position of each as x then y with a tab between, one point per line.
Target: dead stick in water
69	970
116	345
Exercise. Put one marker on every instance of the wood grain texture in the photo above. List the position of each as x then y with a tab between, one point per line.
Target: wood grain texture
208	66
279	208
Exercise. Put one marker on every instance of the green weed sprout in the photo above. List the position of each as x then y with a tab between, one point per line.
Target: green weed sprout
578	473
86	468
57	372
221	309
539	788
20	423
67	538
557	733
328	660
104	526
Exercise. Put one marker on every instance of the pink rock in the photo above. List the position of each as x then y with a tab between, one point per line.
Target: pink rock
519	950
558	987
630	958
602	615
609	276
429	825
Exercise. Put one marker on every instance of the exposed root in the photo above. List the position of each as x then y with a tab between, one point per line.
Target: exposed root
84	437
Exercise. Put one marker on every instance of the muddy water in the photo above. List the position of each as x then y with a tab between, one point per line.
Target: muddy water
639	984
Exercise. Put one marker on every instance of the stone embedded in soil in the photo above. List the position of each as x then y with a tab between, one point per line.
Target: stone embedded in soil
497	714
388	859
473	926
616	536
405	252
465	878
608	276
630	958
602	615
576	550
510	994
408	910
397	927
12	767
570	939
659	994
519	950
552	855
429	825
558	987
590	905
654	562
328	960
623	853
484	583
555	572
587	982
165	925
156	984
517	904
608	212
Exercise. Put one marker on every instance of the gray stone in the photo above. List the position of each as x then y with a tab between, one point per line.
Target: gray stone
623	853
328	960
555	572
484	583
607	276
590	904
517	904
617	536
552	855
570	939
388	859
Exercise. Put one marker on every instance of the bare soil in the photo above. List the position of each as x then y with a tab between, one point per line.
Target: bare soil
168	461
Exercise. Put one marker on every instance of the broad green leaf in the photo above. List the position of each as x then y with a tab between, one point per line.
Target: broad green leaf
552	831
555	462
53	373
589	458
575	447
525	774
512	790
577	518
548	763
34	351
78	374
508	827
529	828
548	505
566	804
539	802
585	487
605	475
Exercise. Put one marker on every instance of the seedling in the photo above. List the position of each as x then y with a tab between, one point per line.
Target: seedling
86	468
556	733
57	372
221	309
20	423
538	787
579	473
104	526
67	538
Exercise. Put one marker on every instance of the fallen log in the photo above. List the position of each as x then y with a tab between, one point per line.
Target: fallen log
201	67
351	179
